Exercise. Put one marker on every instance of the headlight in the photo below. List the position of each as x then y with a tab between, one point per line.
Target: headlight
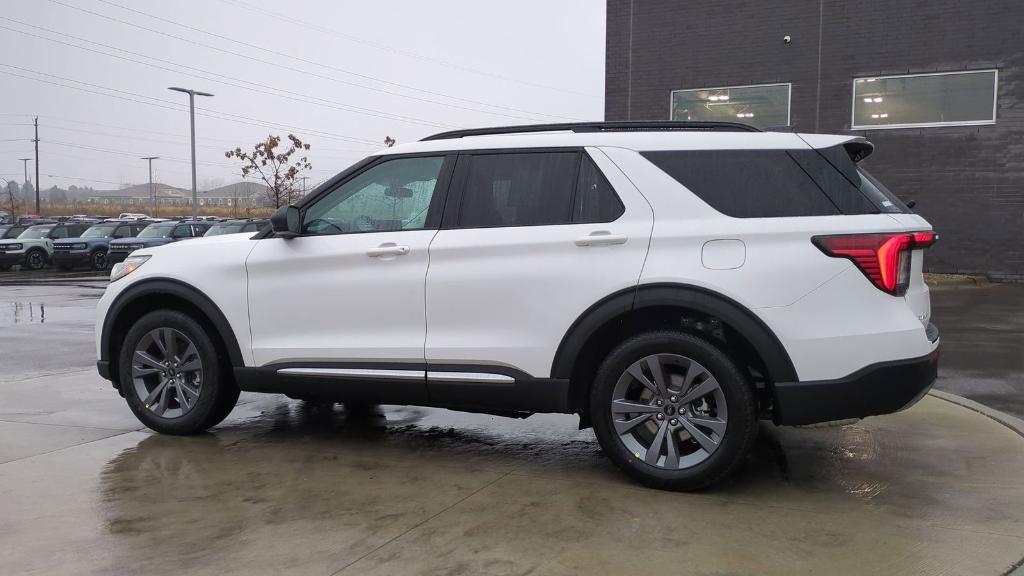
13	247
130	264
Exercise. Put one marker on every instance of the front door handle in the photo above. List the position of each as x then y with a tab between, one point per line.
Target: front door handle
387	249
601	238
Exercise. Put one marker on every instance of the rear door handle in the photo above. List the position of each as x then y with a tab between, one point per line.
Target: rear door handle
601	238
387	249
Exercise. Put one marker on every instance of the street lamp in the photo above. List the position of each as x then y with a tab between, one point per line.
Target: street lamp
192	120
152	197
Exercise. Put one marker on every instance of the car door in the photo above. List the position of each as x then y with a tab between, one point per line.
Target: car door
345	299
530	240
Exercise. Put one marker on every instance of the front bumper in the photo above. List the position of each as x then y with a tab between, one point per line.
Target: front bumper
70	258
881	388
12	258
115	257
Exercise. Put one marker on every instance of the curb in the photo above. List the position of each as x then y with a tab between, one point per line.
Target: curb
1011	422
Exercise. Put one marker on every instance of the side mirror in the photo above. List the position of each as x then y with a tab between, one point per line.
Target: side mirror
286	222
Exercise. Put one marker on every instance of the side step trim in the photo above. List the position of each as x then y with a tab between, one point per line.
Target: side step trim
354	373
469	377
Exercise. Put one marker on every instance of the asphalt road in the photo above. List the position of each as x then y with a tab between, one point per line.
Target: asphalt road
289	487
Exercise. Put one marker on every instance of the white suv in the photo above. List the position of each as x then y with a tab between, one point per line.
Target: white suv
670	283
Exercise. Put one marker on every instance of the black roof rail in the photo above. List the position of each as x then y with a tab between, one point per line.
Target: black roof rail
644	126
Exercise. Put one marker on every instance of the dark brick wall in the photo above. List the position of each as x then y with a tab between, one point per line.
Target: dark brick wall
968	181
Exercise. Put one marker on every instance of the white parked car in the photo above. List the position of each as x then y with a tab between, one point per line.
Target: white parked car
670	283
133	216
33	248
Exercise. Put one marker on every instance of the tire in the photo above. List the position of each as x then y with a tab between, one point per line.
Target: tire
724	416
35	259
198	376
98	260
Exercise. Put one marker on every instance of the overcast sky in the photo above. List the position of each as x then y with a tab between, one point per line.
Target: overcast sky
341	75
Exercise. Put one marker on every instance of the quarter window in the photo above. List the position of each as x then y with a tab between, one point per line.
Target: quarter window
393	195
916	100
746	183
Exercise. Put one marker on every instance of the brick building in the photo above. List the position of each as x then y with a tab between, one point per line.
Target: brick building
937	86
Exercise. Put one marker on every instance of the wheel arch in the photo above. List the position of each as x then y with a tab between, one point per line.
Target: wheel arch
667	305
148	295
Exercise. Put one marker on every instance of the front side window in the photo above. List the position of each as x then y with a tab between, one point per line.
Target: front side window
522	189
746	183
156	232
393	195
101	231
916	100
761	106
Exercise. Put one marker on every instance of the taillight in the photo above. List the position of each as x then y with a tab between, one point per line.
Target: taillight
883	258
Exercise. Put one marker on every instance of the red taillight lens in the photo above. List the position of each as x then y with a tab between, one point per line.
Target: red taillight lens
883	258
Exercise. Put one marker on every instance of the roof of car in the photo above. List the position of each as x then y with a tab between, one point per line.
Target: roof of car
642	136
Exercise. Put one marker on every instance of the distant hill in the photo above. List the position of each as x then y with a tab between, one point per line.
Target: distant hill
237	190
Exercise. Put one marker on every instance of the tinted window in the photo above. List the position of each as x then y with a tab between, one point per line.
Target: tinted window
872	189
746	183
839	189
182	231
58	232
526	189
393	195
595	199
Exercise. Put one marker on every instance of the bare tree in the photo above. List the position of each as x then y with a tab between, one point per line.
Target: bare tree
11	189
275	167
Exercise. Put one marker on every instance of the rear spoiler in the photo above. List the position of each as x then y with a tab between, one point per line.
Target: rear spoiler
856	146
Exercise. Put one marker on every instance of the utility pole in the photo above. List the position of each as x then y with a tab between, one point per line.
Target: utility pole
304	178
152	197
37	165
192	119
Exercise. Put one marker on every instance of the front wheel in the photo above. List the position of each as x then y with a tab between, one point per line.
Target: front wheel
98	260
673	411
35	260
172	376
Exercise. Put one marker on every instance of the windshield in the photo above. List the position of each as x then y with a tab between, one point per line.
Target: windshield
219	229
35	232
156	232
101	231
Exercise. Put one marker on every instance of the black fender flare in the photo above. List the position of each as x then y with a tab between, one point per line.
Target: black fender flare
765	342
187	292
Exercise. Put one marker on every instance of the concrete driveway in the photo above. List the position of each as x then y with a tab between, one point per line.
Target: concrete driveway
288	487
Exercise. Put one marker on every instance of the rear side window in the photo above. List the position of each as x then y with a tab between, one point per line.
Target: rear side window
595	199
183	231
59	232
527	189
746	183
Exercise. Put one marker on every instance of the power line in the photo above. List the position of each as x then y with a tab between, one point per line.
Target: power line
169	105
408	53
218	78
250	57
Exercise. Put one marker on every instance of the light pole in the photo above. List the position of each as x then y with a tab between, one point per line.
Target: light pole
192	120
152	197
25	162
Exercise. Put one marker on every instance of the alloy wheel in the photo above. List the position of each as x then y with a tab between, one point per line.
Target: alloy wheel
99	260
669	411
167	372
35	260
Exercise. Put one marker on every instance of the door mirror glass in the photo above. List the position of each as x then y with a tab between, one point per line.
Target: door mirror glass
286	222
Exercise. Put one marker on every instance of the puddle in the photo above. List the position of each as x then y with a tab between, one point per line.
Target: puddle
32	312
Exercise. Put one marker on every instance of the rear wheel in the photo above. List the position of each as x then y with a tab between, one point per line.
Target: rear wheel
35	259
673	411
172	376
98	260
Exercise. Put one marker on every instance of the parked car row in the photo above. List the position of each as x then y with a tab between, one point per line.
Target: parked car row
80	241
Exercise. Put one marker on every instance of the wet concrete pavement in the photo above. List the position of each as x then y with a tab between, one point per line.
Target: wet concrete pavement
289	487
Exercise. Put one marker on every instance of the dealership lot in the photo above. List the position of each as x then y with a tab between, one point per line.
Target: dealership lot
285	486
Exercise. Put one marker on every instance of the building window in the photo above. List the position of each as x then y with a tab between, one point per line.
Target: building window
763	105
916	100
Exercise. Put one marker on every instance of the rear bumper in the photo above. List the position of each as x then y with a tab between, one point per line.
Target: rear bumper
881	388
